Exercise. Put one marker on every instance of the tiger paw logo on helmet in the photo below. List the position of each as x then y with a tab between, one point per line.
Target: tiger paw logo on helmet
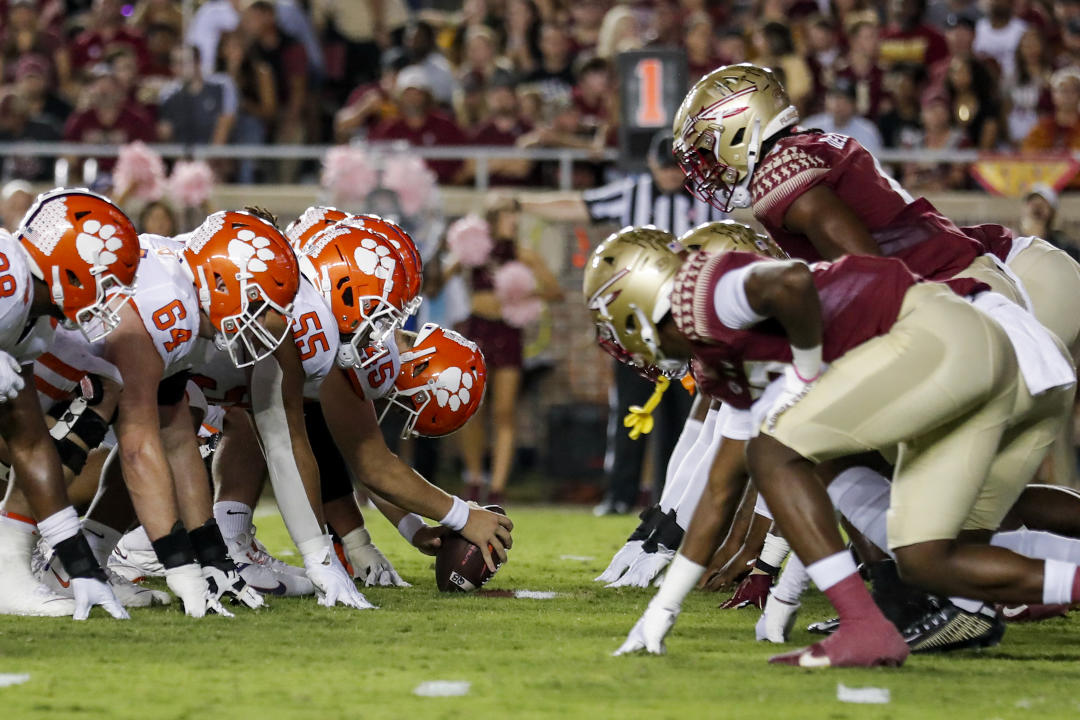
97	244
375	259
453	388
250	252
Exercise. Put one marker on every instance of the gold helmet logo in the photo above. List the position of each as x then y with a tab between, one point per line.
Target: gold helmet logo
730	236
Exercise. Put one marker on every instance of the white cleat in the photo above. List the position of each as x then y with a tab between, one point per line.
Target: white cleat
20	591
51	574
264	572
134	558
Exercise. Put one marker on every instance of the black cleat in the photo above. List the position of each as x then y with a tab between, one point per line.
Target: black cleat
825	627
950	628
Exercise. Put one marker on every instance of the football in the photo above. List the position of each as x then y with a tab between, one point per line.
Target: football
459	565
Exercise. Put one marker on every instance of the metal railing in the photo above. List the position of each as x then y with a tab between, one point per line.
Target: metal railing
480	155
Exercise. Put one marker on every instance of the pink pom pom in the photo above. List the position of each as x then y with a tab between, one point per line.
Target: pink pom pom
412	180
523	313
191	183
469	238
139	172
348	174
514	282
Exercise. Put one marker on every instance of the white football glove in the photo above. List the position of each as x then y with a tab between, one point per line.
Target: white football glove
332	582
795	388
223	583
649	632
622	560
188	584
776	621
11	381
372	568
91	591
645	568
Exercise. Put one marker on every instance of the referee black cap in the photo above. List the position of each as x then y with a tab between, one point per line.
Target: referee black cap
660	149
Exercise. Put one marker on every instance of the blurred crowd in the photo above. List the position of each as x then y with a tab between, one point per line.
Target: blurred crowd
936	74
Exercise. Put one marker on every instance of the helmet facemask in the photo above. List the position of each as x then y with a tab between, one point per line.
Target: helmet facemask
242	335
103	315
708	178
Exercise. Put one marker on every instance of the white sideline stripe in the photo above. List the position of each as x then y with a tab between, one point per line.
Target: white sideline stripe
7	679
442	688
577	558
535	594
863	695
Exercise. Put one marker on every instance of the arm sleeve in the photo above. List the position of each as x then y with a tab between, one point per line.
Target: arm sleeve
730	302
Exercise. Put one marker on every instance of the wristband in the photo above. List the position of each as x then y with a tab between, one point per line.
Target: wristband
409	525
60	526
458	515
807	362
78	559
210	548
174	549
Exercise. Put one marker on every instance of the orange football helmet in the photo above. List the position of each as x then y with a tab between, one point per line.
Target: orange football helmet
242	266
310	223
410	256
441	383
362	277
87	251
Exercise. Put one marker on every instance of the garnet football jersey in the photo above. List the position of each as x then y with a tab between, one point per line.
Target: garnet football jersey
912	230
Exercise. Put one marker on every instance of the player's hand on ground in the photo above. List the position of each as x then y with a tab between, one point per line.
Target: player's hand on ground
751	592
11	381
729	575
645	568
373	569
188	584
89	592
428	539
490	532
621	562
649	631
228	583
332	582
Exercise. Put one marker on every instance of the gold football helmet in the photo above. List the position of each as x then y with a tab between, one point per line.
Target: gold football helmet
719	129
730	236
628	285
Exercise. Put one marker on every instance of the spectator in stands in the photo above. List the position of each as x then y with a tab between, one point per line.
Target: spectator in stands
420	45
107	28
256	95
823	49
665	28
371	103
775	48
554	75
594	94
901	125
421	122
585	19
1070	44
960	39
106	117
480	54
1029	89
17	124
523	35
998	34
973	98
150	13
470	108
937	134
196	110
32	85
124	64
1038	216
732	47
1060	129
840	117
22	37
15	199
503	127
365	28
618	32
158	218
861	68
938	12
699	41
161	40
908	38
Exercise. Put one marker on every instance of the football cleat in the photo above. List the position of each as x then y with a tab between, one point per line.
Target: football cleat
134	558
870	643
949	627
20	591
51	574
265	573
1031	613
825	627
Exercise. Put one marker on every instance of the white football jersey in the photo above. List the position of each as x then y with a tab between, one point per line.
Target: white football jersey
167	301
23	343
316	336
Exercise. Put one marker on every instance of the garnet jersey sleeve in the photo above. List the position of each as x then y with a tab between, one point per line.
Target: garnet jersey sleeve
167	302
316	336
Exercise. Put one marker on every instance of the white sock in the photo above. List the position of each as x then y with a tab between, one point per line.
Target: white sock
761	507
1039	544
1058	580
102	539
793	581
774	550
829	571
233	518
20	523
673	490
682	576
137	539
698	479
862	495
689	435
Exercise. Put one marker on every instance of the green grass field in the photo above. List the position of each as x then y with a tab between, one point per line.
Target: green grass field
524	658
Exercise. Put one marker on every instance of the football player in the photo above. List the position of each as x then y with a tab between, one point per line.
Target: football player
75	261
892	345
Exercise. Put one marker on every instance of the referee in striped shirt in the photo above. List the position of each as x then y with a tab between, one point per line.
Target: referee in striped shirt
655	198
